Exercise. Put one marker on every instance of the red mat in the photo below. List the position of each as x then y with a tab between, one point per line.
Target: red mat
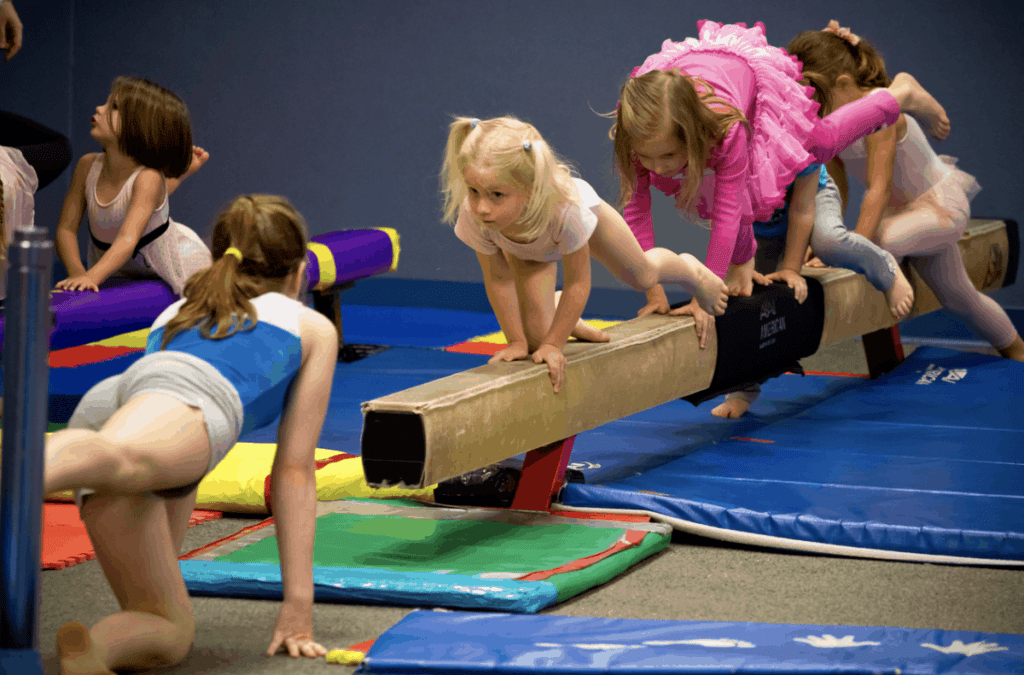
66	542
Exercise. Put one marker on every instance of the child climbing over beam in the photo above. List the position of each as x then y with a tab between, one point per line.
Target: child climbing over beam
239	351
516	203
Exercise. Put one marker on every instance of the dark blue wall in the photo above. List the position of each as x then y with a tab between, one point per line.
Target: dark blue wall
343	106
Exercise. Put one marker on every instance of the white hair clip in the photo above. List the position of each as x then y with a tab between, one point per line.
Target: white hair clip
526	145
473	122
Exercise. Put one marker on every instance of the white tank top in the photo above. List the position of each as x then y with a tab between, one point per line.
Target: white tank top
105	220
917	168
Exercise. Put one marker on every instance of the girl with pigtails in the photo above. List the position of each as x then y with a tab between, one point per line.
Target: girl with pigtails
517	204
237	351
916	203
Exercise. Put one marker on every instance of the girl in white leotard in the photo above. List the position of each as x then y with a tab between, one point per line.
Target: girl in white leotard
145	132
916	203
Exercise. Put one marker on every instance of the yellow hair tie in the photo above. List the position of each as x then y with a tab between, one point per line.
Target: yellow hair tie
235	252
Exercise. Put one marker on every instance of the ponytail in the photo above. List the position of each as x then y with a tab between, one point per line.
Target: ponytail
257	242
825	56
452	183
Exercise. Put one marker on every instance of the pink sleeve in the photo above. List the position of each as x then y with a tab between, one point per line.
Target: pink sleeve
637	213
729	162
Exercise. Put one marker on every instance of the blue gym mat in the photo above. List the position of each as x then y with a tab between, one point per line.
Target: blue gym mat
462	642
922	464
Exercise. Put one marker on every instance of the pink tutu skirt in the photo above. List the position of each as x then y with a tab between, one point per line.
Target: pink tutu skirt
783	118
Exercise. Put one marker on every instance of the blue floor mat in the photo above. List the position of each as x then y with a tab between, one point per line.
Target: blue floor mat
923	463
413	326
462	642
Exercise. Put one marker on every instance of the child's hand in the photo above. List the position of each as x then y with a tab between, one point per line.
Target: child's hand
10	30
794	281
516	351
657	302
552	356
80	283
294	631
199	157
815	262
702	321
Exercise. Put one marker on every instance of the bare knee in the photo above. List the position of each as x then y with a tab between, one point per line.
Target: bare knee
641	279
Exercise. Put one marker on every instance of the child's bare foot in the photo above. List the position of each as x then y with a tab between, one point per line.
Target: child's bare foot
913	98
710	292
74	648
1015	350
584	331
900	296
731	408
199	157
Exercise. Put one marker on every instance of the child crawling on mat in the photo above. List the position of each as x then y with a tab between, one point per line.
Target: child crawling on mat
236	352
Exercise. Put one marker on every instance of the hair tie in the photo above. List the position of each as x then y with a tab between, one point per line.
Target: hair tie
842	33
526	145
473	122
231	250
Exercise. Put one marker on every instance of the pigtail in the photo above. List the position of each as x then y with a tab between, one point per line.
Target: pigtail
257	242
453	186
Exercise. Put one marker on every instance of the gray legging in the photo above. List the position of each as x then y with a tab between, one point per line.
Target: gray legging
836	246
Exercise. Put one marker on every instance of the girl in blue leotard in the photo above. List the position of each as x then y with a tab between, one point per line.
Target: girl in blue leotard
236	351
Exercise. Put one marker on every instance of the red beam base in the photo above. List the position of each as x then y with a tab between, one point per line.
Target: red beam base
543	475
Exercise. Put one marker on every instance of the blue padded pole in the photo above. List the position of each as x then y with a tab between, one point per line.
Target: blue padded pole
26	386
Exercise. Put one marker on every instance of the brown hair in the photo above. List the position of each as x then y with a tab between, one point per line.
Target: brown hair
271	236
647	101
156	130
825	56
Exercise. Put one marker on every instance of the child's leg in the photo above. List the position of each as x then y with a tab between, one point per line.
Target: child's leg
136	548
153	442
535	286
615	247
944	272
583	330
838	247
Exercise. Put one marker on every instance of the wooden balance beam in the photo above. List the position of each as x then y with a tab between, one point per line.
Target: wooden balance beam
451	426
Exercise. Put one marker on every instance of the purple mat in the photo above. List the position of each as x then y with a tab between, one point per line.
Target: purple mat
337	257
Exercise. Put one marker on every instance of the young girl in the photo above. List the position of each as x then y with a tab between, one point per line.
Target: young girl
516	203
238	350
146	135
916	203
731	104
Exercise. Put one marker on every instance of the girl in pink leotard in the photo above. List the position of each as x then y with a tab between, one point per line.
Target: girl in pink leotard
916	203
729	103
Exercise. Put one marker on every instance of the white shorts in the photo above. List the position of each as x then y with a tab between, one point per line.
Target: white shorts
182	376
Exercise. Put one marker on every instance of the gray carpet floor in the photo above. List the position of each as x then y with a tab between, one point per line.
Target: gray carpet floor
693	579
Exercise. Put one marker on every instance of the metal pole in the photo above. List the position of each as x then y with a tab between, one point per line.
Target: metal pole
26	388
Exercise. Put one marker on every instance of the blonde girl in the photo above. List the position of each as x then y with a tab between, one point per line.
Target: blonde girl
517	204
728	104
146	135
237	352
916	203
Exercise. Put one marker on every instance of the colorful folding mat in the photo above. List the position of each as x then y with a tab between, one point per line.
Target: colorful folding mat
921	464
463	642
405	553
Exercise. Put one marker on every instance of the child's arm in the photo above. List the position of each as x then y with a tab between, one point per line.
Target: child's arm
500	284
575	291
798	235
730	174
66	237
147	194
293	484
881	159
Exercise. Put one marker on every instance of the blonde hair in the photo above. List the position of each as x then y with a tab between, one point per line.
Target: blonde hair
271	236
155	130
825	56
500	144
647	102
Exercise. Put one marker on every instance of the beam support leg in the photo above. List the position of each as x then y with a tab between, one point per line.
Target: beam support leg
542	477
884	350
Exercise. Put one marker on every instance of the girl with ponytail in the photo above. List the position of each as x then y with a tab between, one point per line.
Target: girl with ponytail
238	351
518	205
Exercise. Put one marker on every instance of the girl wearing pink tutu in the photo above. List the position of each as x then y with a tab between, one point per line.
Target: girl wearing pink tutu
721	123
916	203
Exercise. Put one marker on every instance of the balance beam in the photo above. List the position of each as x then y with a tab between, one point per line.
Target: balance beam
445	428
